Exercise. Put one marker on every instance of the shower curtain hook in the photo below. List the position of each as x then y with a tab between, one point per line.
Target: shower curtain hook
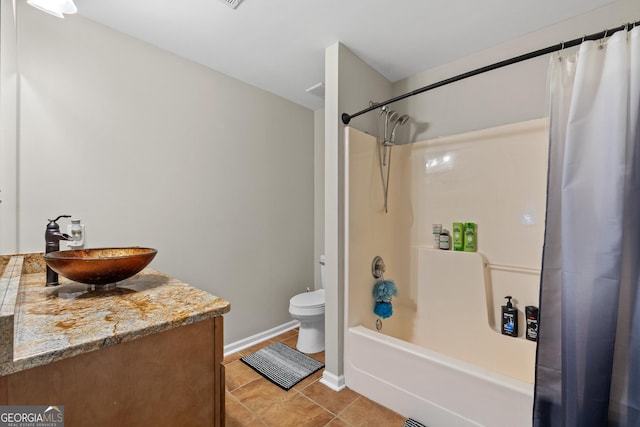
559	53
601	42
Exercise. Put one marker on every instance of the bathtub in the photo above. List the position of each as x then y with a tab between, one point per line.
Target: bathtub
448	364
430	387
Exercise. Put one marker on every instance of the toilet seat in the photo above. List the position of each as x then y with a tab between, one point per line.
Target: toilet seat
308	299
307	303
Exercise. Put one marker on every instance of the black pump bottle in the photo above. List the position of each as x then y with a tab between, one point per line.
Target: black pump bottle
509	319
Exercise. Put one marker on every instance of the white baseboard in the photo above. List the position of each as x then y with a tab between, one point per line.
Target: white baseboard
258	338
334	382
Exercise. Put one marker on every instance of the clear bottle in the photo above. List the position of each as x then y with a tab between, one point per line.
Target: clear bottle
76	230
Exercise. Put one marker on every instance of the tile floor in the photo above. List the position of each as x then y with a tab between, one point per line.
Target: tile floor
252	400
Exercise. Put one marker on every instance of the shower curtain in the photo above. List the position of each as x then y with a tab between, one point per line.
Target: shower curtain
588	357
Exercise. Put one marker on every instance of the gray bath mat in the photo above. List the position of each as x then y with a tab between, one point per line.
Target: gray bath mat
282	365
412	423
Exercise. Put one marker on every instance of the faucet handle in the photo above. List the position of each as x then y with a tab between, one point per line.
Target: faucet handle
61	216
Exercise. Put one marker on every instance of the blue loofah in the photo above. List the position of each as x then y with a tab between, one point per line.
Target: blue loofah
383	309
383	290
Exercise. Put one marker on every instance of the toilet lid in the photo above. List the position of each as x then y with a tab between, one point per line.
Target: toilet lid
309	299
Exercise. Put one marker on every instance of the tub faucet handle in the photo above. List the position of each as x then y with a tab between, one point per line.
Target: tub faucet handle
377	267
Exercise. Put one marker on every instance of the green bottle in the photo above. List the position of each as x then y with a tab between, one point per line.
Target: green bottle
470	237
458	236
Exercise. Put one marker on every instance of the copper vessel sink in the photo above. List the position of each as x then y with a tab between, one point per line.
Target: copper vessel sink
99	266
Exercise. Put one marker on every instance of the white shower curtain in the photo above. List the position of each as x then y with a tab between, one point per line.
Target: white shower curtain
588	360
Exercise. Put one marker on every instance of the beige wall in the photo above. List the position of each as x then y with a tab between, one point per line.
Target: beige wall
151	149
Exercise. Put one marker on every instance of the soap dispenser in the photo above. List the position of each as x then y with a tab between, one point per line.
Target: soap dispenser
509	319
76	231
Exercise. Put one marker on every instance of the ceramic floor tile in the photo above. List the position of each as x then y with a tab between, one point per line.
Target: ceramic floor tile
260	395
366	413
238	374
296	411
231	358
236	415
337	422
329	399
309	380
256	423
318	356
253	401
291	341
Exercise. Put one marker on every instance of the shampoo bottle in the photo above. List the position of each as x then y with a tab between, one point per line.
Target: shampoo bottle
470	237
458	236
509	319
531	314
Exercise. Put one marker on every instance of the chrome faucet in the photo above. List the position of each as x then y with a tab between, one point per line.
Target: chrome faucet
52	237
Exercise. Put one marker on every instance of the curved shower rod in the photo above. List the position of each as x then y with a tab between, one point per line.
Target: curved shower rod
346	118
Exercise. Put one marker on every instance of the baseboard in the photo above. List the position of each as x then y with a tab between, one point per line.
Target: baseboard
334	382
258	338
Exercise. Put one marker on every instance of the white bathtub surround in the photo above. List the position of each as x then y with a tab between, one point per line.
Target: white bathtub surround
441	357
454	315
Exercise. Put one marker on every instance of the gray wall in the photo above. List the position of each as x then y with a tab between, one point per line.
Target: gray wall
8	129
150	149
508	95
350	83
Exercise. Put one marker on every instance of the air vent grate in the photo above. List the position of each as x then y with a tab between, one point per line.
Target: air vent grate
232	3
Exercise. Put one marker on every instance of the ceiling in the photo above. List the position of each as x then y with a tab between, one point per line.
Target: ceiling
278	45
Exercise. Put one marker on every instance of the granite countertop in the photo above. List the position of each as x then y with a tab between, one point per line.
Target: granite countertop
58	322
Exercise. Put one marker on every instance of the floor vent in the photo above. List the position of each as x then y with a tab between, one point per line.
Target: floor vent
232	3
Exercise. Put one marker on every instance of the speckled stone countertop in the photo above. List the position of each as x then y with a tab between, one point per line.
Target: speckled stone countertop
55	323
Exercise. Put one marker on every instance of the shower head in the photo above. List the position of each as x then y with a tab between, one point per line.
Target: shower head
399	122
391	116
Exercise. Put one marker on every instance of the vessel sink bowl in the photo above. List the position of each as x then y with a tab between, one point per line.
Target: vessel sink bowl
100	266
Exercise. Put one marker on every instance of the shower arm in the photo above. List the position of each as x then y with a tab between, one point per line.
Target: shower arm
346	118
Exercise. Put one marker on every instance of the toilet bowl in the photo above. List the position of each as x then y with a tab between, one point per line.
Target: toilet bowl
308	309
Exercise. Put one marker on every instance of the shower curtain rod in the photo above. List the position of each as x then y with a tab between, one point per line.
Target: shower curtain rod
346	118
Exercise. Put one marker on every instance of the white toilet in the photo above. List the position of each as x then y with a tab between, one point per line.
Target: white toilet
308	309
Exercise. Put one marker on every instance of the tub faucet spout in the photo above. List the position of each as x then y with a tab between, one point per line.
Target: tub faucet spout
52	237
